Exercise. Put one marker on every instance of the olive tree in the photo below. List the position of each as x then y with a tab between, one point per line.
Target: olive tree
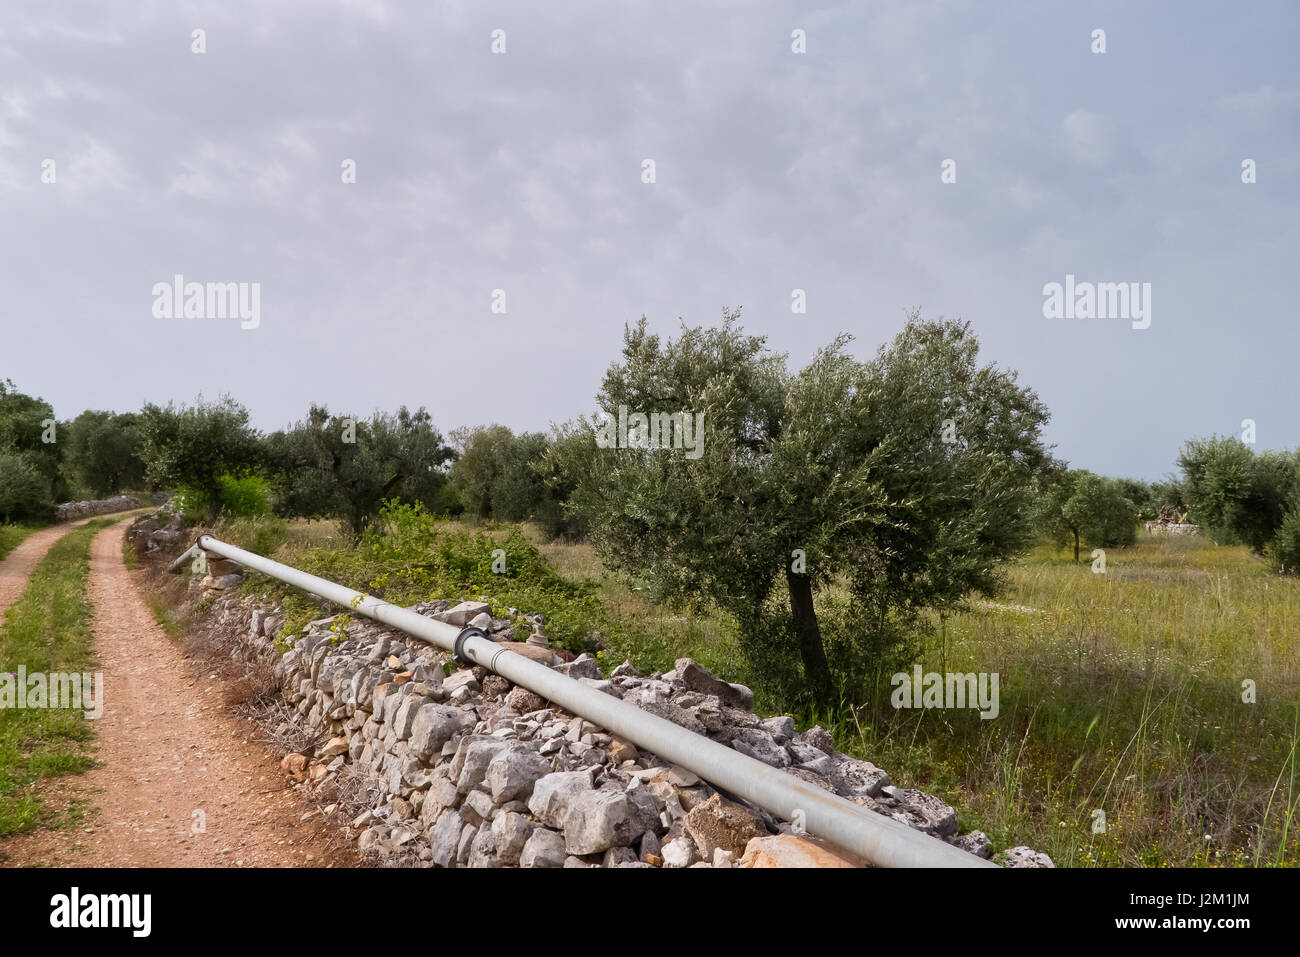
102	452
904	479
1088	508
192	447
336	465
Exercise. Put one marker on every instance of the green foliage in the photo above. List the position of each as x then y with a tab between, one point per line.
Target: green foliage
101	453
24	489
1238	495
844	463
244	496
262	533
192	447
25	424
1085	508
338	466
1285	547
1169	493
499	475
1144	496
410	555
478	465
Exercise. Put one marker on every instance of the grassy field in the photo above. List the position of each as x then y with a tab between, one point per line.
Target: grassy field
1122	737
1121	693
47	630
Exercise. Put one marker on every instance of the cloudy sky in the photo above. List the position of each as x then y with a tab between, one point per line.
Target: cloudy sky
774	170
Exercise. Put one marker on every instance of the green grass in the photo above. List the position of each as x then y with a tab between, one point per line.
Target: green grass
11	536
47	630
1122	692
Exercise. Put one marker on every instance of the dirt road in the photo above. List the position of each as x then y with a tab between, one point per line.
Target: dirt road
18	564
180	781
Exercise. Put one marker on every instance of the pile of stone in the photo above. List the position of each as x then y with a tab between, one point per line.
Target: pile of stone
462	768
73	510
166	529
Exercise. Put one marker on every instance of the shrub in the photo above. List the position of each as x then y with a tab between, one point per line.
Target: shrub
24	491
244	496
1285	547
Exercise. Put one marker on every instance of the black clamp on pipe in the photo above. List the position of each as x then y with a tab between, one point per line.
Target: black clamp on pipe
457	649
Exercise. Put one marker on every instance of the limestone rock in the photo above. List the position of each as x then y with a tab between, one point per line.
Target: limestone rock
790	850
719	823
1022	856
513	772
554	793
544	848
599	820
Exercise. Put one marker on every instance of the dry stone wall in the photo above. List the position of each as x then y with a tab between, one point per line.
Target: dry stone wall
72	510
457	767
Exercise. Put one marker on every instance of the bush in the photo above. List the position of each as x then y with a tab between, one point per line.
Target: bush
412	555
1285	547
24	491
244	496
192	504
193	447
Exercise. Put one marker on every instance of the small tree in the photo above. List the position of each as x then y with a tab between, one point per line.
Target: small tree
1285	547
1091	508
24	490
26	426
480	461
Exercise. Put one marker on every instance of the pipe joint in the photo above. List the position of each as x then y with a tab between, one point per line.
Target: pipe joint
458	649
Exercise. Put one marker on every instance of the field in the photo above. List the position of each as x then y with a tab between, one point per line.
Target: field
1122	736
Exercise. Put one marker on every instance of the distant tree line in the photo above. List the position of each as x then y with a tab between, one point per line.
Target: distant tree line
331	465
327	465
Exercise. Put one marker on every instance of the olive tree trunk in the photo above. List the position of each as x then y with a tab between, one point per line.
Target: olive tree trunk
816	670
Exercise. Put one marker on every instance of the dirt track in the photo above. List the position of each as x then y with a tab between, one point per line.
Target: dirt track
171	759
18	565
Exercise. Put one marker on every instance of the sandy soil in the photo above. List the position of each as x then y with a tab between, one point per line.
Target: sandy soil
180	782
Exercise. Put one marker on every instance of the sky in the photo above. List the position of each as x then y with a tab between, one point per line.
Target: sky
508	171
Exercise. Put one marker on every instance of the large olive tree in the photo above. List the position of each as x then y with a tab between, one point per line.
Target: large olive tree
904	479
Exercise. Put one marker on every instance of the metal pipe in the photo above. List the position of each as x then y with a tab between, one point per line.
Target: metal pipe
189	553
876	838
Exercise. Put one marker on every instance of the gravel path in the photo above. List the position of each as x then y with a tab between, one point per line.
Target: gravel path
180	781
18	564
